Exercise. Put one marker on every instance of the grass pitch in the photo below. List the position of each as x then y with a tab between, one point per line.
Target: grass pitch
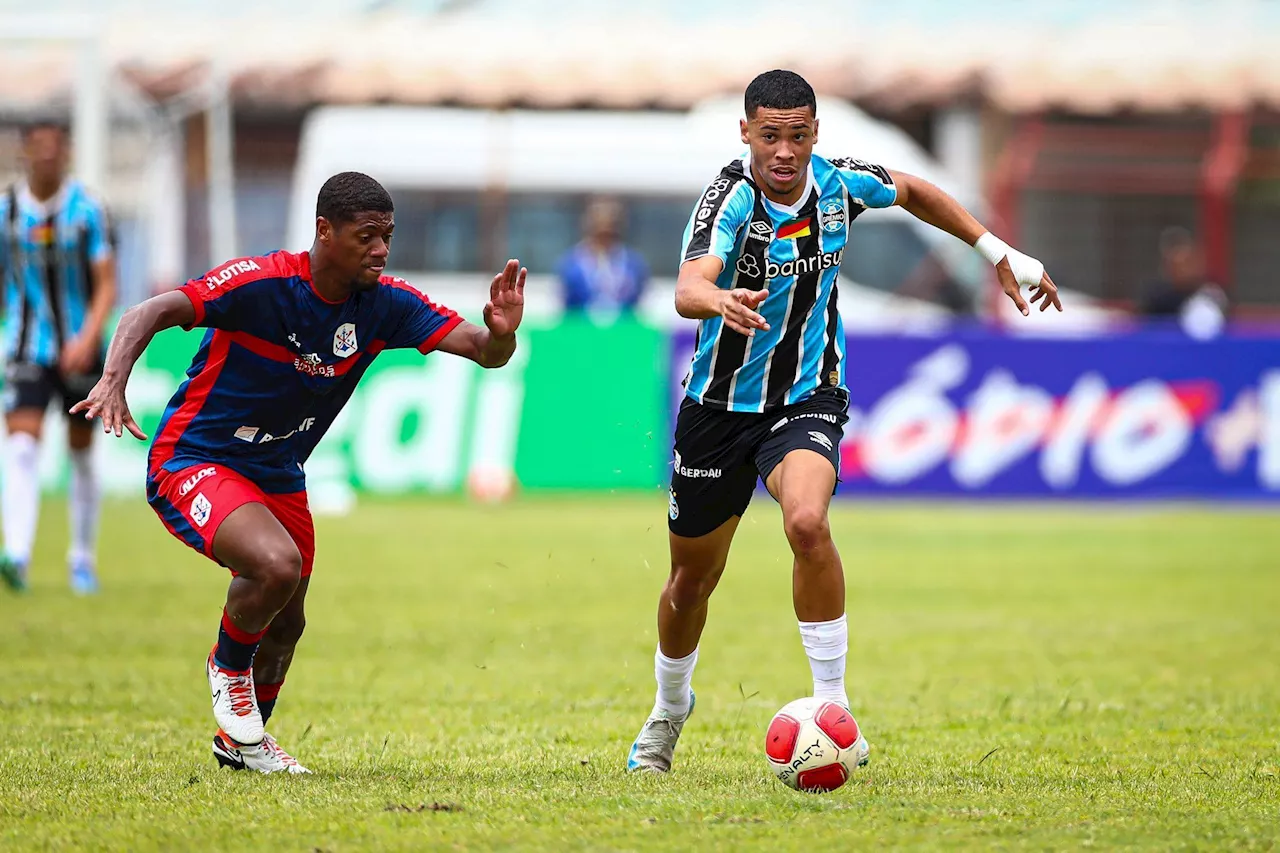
1051	677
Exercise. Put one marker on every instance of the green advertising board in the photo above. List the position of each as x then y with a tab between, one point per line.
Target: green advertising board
580	406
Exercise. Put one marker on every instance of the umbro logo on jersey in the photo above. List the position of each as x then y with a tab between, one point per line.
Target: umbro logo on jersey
344	340
760	230
820	438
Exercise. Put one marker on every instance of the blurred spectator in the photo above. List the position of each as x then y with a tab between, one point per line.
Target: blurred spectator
601	276
1183	292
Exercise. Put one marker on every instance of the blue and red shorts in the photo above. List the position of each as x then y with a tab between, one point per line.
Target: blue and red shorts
193	502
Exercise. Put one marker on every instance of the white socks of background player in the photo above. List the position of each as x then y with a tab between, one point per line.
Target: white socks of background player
827	645
83	506
20	496
674	677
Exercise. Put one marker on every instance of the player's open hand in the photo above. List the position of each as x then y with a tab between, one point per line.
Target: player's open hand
107	401
1044	291
738	308
505	308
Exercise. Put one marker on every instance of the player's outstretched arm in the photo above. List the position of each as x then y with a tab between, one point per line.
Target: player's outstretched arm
1015	270
136	329
495	343
81	352
698	297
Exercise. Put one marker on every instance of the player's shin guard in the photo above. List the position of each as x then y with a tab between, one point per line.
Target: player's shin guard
674	675
83	500
236	647
827	645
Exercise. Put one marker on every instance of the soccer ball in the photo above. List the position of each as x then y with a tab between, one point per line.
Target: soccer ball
814	745
491	484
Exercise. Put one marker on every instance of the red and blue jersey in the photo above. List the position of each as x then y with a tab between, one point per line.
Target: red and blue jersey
278	364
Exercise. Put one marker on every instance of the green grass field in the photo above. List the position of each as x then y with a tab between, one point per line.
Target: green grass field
1050	677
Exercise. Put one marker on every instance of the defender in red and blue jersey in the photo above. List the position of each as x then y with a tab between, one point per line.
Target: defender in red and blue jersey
289	336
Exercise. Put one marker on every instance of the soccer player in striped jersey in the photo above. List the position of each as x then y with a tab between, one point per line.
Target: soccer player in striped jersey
57	271
289	336
765	396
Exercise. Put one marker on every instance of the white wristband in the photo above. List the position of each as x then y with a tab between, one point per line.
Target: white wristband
992	248
1027	271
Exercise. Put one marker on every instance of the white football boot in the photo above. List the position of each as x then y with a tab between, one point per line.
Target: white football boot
264	757
235	707
655	746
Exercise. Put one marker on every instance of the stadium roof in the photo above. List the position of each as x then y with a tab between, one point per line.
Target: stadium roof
1088	55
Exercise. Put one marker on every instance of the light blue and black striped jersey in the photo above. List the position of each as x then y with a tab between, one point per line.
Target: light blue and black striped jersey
47	252
795	251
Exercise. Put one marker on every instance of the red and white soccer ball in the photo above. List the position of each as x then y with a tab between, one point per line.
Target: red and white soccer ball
491	484
814	745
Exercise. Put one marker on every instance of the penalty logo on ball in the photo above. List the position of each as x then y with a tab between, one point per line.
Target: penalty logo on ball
814	745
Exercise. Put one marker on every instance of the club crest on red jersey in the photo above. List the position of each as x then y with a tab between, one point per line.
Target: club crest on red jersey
344	340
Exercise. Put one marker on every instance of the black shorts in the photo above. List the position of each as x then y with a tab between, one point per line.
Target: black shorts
719	454
32	386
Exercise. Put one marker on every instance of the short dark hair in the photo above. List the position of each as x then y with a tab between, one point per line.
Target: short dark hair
45	123
1174	238
779	90
348	194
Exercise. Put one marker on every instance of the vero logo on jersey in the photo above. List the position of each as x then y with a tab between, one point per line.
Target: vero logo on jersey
796	228
344	340
229	272
707	206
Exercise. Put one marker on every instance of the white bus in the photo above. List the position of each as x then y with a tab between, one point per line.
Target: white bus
474	187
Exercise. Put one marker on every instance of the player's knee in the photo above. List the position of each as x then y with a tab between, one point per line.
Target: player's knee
279	570
807	528
690	587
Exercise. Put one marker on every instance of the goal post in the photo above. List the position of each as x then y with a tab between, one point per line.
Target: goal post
82	34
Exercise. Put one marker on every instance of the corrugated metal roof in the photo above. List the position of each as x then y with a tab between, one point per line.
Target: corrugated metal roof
1083	55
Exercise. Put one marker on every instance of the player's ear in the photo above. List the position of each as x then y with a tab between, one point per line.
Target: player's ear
815	131
742	126
324	230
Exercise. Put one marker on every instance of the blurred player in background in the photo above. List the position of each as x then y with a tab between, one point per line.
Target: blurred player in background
766	395
601	275
59	288
289	337
1183	291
